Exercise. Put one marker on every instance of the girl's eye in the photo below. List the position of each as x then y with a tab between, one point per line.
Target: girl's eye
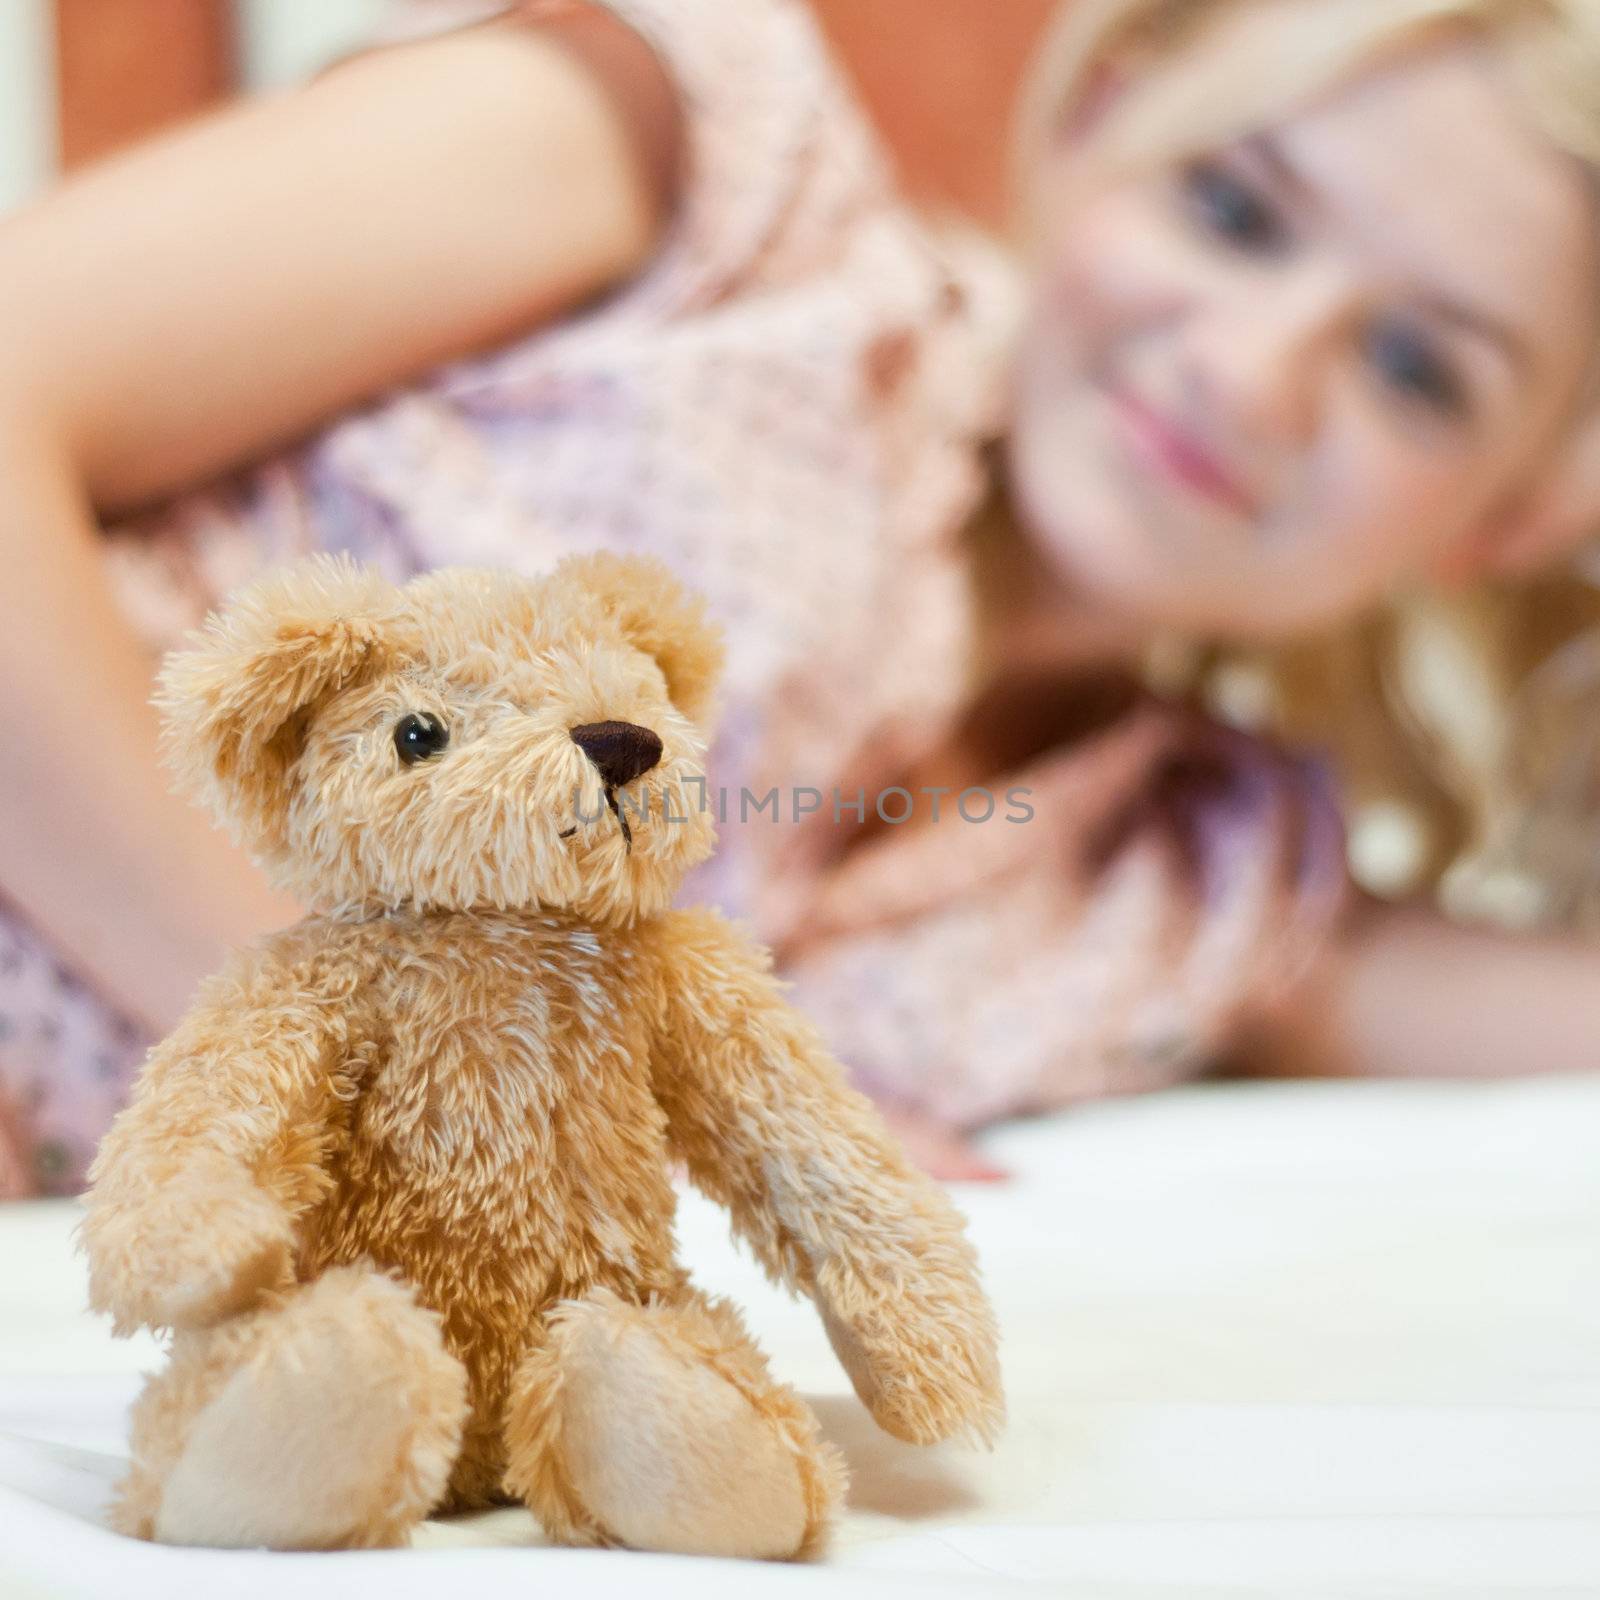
419	735
1409	363
1232	209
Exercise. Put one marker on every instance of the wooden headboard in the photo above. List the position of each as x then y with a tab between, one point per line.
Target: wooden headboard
126	67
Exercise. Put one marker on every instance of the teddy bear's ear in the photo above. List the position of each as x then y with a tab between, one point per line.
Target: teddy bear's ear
235	704
658	615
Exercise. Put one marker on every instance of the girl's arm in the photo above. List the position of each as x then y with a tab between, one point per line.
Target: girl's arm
1408	994
196	303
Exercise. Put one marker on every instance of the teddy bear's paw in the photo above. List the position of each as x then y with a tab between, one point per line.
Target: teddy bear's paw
248	1255
659	1427
922	1356
187	1255
337	1429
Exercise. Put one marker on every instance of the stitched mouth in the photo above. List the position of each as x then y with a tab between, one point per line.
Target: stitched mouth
616	810
622	821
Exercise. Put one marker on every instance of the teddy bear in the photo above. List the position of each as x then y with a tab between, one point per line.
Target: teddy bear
400	1184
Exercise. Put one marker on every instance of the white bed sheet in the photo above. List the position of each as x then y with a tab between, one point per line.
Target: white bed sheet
1295	1340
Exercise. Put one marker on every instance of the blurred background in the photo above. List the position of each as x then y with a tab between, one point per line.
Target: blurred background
79	77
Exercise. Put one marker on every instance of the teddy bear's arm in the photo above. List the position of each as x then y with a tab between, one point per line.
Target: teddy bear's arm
196	1185
816	1185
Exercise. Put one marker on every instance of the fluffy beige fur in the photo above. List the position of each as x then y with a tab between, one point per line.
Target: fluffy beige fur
400	1181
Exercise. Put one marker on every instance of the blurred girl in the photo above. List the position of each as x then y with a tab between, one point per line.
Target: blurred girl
1312	316
1310	325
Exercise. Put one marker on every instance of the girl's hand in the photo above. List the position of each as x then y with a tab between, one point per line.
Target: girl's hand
826	889
1212	862
13	1172
943	1152
1249	842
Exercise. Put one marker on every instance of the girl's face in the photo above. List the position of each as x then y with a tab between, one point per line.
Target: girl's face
1261	388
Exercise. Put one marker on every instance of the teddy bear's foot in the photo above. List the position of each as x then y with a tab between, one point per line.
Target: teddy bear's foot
327	1420
659	1427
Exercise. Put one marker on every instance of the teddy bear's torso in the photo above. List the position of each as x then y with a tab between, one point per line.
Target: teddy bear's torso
495	1138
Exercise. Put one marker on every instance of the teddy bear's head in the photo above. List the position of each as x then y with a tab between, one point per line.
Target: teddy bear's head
470	740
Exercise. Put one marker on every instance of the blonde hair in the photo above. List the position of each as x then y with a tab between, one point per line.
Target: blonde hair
1466	725
1286	53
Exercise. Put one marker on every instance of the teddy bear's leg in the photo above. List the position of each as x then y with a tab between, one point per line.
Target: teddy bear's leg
327	1420
660	1427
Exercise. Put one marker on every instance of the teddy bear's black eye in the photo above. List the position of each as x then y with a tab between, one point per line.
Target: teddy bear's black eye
418	735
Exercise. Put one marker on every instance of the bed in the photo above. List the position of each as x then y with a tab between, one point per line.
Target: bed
1269	1339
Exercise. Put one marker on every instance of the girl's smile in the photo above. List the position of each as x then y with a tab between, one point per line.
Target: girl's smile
1178	453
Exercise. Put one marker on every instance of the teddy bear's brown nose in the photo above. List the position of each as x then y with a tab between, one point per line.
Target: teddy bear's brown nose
621	750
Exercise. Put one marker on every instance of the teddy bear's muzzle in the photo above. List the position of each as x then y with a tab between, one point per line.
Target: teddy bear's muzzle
620	751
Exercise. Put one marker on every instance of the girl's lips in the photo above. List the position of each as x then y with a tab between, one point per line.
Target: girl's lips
1178	454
